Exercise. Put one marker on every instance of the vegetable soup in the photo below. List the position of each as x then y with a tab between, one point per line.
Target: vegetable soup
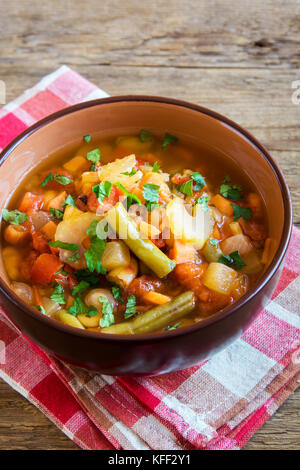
134	234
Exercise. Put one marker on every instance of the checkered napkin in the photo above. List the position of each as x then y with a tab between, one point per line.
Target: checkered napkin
218	404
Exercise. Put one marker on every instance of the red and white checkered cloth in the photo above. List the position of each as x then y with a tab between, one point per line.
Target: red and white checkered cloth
216	405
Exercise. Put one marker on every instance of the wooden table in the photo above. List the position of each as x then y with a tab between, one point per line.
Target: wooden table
238	57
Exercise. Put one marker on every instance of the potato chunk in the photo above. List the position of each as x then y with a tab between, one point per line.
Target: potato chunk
220	278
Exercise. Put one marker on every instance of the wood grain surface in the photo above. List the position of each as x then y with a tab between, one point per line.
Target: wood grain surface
238	57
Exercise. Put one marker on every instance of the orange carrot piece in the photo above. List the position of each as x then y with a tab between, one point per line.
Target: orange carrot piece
56	202
156	298
222	204
44	268
37	296
31	202
184	252
49	229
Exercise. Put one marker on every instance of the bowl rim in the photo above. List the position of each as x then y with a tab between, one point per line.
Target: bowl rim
222	314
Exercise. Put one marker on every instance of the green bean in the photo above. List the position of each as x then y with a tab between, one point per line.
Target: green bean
144	249
157	317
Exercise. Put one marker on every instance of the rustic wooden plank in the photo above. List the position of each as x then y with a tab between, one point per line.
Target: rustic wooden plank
190	34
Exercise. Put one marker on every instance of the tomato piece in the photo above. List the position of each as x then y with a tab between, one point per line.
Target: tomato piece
44	268
26	265
54	184
253	229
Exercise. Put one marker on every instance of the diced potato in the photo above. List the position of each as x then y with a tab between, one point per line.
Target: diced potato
86	181
240	243
76	165
24	291
220	278
89	322
212	252
50	306
184	252
186	228
116	254
49	194
56	202
49	230
253	263
68	319
148	230
71	211
235	228
12	259
124	276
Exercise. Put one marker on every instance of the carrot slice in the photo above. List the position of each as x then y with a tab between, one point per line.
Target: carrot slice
222	204
156	298
31	202
37	296
44	268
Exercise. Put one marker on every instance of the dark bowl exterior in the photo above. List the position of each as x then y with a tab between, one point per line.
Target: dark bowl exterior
151	354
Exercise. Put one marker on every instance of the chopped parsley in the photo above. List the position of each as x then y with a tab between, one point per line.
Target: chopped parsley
74	257
203	201
64	180
86	275
14	217
78	307
92	311
186	188
129	173
199	181
58	294
117	293
69	201
102	190
57	213
233	260
131	197
227	179
47	179
107	309
65	246
156	167
244	212
80	288
130	306
145	136
168	139
94	155
87	138
93	255
40	308
92	230
213	242
150	193
173	327
232	192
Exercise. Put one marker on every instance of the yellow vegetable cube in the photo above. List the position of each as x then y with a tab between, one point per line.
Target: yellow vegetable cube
220	278
76	165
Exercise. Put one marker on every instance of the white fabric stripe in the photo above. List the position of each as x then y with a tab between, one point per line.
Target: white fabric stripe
193	419
136	442
13	384
283	314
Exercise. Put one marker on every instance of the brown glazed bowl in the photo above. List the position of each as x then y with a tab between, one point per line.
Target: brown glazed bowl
157	353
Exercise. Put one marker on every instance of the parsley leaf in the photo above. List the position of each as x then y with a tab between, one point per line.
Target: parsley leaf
131	197
227	179
150	193
69	201
199	181
107	318
65	246
64	180
87	138
92	229
131	173
168	139
57	213
232	192
40	308
213	242
102	190
156	167
203	200
117	293
58	294
239	211
74	257
80	288
233	260
86	275
47	179
93	255
145	136
94	155
92	311
130	307
173	327
14	217
78	307
186	188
